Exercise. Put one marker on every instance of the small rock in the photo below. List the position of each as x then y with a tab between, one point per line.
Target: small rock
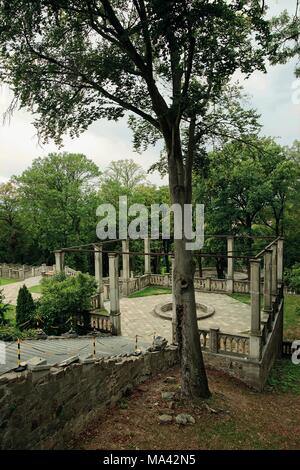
165	419
170	380
184	419
70	334
167	395
171	405
40	334
159	343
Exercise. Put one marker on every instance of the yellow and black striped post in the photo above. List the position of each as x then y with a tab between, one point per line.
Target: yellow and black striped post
19	368
94	339
136	343
19	353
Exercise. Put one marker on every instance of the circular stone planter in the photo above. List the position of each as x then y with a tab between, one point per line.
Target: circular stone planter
164	310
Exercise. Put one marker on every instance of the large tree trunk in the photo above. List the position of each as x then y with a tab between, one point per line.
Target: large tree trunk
193	376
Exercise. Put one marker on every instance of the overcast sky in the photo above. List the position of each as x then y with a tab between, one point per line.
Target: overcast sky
270	94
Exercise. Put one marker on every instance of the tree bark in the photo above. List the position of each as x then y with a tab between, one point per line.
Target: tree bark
193	376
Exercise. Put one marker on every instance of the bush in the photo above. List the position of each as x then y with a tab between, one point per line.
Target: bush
3	308
11	333
63	300
25	309
292	278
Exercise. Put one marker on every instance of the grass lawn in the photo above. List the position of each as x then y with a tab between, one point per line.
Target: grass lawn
235	417
285	377
291	317
10	314
7	280
150	291
35	289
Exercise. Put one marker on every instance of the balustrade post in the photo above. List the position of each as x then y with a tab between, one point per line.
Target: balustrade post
208	284
99	273
214	340
114	294
274	273
147	257
280	261
268	282
230	264
59	261
255	330
125	266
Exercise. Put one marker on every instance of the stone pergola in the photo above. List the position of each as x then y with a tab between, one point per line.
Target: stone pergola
258	347
126	274
271	258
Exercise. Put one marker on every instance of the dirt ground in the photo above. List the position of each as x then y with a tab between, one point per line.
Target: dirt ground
235	417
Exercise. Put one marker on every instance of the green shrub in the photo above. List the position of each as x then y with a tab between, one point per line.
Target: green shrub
3	308
64	298
11	333
292	278
25	309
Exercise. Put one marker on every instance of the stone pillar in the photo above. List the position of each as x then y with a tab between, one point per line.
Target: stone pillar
114	295
125	266
280	261
274	272
147	257
255	330
99	273
59	261
268	281
230	273
125	259
174	336
214	343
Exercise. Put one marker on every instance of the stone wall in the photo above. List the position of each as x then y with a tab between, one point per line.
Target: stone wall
46	407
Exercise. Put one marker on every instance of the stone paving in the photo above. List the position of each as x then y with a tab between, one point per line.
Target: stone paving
138	318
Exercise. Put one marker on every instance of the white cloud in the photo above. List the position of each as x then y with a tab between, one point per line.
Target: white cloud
103	142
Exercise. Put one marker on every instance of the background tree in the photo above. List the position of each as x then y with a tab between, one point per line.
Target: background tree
247	190
58	201
126	173
74	62
12	238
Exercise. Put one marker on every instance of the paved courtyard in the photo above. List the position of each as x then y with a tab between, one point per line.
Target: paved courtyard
138	318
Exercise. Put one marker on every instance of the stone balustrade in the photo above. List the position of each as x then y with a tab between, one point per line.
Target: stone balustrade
22	272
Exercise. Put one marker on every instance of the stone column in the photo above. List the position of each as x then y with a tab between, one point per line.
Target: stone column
280	261
230	273
274	272
268	281
125	266
125	259
174	336
114	295
255	330
99	273
59	261
214	343
147	257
